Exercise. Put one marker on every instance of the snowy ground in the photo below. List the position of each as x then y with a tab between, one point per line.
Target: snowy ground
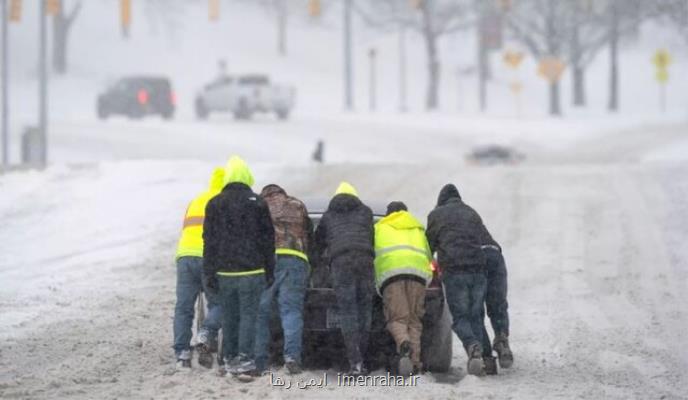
593	225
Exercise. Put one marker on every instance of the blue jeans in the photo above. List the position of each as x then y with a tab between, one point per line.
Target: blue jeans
189	285
289	289
465	292
239	297
495	297
353	283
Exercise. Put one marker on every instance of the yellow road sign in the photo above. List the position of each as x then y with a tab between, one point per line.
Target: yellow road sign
513	58
662	59
551	68
662	76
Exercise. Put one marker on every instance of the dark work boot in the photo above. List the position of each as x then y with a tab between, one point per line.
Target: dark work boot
501	346
490	365
476	365
405	367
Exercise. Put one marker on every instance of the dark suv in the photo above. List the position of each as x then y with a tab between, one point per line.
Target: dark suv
138	96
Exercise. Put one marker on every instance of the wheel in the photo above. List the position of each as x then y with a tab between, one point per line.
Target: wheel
282	114
437	354
167	115
201	109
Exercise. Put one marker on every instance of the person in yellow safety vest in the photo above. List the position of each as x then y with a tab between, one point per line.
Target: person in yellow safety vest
402	272
190	282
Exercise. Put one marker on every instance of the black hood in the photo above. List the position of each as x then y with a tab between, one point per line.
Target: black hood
448	192
344	202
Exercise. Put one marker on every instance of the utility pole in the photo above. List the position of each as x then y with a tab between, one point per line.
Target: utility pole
372	53
482	58
348	59
402	69
5	89
282	27
43	85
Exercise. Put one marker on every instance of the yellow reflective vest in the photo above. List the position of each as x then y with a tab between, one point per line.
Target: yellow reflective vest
401	248
191	240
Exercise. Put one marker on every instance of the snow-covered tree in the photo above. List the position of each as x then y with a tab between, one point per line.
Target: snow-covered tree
543	27
431	18
62	25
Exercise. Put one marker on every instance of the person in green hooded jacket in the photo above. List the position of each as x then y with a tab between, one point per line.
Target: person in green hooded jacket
238	261
402	272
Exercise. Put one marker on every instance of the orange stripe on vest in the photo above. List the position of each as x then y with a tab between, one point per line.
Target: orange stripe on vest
193	221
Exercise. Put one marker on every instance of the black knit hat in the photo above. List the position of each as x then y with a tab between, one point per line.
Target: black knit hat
396	206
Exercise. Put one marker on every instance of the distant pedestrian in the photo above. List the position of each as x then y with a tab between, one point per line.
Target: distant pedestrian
239	258
402	272
454	232
345	233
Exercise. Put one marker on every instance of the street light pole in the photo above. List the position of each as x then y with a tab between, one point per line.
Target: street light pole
372	53
5	89
402	69
43	84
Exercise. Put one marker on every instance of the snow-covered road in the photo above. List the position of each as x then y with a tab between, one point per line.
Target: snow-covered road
594	232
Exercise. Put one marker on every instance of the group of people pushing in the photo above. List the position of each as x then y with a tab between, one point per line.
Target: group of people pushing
246	250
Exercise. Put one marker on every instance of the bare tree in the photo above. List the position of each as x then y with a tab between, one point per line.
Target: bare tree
62	25
432	19
588	35
543	27
623	19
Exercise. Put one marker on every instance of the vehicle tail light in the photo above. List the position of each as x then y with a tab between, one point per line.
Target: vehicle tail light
142	97
173	98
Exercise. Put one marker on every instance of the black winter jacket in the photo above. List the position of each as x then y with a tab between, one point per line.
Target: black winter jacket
456	232
346	227
238	234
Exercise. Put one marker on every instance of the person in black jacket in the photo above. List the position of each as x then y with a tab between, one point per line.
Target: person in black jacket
497	306
455	231
346	233
238	261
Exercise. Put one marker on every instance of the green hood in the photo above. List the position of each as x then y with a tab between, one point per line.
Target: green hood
237	171
346	188
401	220
217	180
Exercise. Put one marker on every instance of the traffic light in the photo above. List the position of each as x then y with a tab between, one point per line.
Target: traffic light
52	7
125	16
314	8
15	10
213	10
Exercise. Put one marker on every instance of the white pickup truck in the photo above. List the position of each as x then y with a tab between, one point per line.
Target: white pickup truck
245	95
